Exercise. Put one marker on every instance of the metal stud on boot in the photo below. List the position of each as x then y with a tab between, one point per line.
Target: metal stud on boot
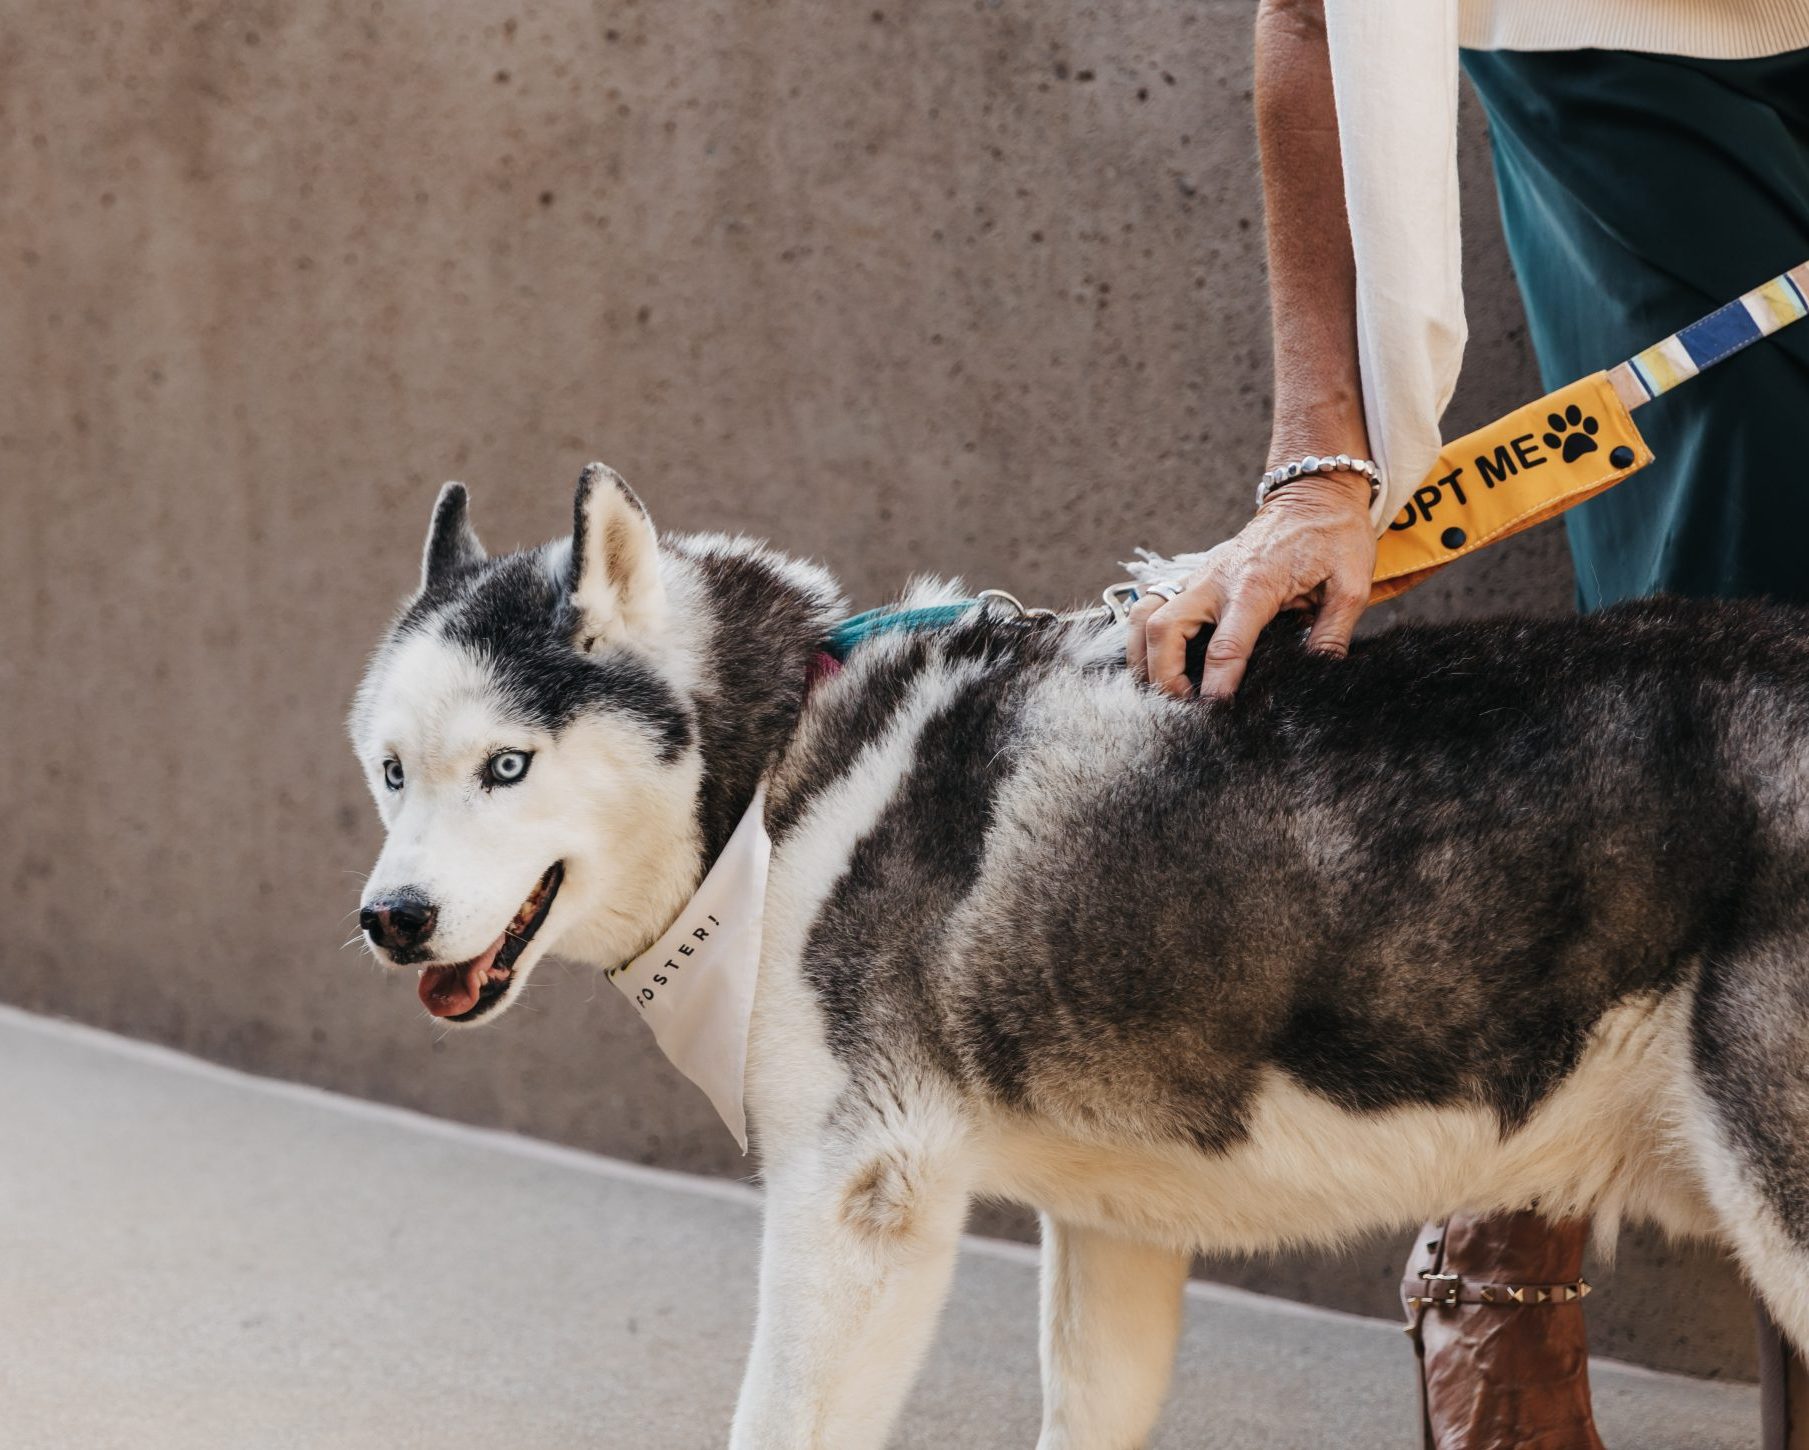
1495	1308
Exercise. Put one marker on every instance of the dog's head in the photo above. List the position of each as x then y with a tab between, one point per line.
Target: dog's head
528	732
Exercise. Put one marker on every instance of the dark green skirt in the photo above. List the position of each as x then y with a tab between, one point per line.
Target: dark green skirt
1640	192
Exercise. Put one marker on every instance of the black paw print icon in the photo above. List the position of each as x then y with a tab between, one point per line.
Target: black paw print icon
1572	435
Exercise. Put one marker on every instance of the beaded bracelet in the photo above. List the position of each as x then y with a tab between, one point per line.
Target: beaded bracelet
1286	473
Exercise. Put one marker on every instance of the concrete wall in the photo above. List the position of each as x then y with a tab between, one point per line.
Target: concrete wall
964	285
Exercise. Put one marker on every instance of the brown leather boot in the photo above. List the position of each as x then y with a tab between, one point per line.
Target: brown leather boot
1495	1308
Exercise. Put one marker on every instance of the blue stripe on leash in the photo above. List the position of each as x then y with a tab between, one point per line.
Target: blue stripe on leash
1723	332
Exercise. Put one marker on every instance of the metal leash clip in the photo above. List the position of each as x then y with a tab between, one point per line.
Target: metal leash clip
1018	607
1117	606
1120	597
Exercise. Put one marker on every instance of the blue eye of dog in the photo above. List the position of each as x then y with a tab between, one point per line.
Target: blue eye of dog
506	767
392	773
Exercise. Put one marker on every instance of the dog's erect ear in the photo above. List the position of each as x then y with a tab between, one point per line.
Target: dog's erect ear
451	542
615	580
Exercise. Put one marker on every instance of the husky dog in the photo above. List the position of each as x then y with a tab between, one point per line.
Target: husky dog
1484	914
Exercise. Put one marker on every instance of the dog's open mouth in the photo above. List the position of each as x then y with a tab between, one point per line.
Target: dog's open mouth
465	991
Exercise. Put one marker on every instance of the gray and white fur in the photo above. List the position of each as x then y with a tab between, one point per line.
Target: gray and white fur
1485	915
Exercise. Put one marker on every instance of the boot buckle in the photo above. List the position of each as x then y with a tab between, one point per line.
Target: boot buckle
1441	1290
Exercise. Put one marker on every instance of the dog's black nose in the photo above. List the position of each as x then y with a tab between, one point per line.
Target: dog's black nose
399	923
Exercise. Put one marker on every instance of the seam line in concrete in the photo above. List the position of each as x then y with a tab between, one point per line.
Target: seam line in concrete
558	1155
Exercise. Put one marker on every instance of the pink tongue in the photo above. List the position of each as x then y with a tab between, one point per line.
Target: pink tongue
452	991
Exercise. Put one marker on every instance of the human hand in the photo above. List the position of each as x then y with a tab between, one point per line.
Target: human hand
1309	546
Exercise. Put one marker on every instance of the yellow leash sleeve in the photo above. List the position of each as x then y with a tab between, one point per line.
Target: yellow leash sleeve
1569	446
1519	471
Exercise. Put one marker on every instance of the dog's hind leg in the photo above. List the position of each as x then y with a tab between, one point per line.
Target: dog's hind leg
1746	1115
1111	1315
860	1241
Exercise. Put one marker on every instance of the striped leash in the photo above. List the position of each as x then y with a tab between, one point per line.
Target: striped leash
1520	470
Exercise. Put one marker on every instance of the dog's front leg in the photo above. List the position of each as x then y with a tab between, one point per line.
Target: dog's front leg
855	1264
1111	1315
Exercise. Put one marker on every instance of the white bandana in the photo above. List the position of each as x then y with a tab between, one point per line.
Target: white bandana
695	985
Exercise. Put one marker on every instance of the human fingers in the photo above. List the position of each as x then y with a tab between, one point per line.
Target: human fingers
1345	598
1169	628
1136	638
1256	600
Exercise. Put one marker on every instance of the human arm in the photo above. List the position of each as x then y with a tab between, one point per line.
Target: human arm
1312	542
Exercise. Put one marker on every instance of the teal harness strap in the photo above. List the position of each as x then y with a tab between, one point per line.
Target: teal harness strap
859	628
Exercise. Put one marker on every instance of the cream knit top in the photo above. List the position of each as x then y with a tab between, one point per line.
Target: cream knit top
1712	29
1395	76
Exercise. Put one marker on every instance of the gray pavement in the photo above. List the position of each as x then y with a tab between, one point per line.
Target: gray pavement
191	1259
